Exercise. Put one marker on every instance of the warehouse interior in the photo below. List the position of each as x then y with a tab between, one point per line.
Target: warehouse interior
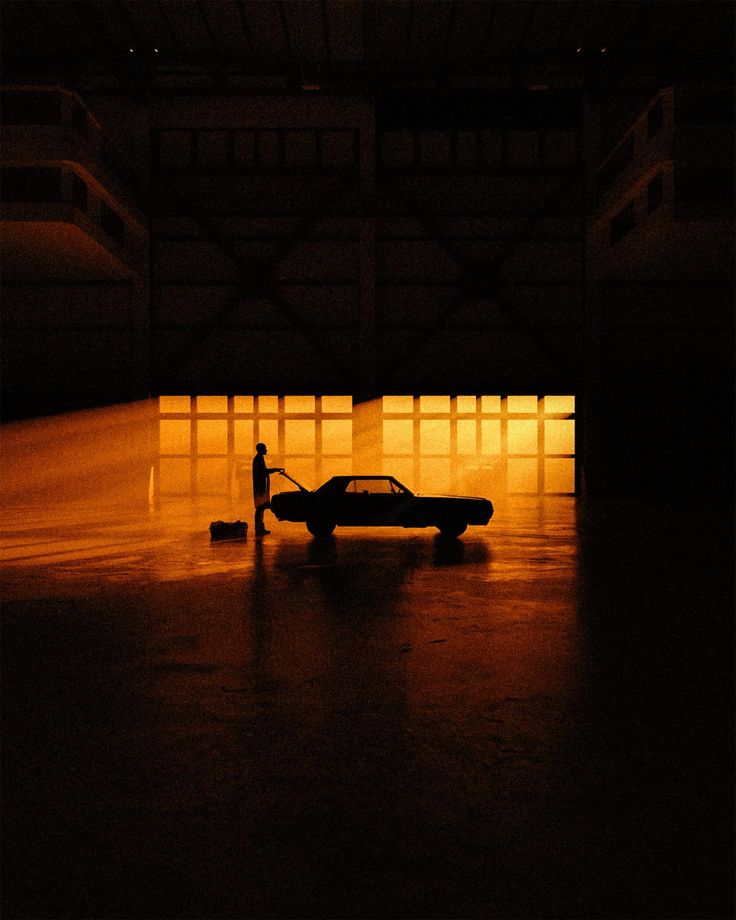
483	246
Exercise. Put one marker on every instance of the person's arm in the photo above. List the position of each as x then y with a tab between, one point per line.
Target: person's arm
275	469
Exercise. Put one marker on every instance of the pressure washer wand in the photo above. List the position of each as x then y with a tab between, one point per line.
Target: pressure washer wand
286	475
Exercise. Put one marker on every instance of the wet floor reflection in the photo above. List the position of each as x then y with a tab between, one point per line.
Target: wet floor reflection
384	723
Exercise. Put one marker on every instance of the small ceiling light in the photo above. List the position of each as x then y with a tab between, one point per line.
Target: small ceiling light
156	50
578	50
603	50
132	51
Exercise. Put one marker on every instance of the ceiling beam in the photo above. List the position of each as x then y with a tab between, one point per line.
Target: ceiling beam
285	27
447	38
257	279
520	48
408	35
138	42
481	279
572	10
58	36
169	27
325	30
487	37
127	70
245	26
207	27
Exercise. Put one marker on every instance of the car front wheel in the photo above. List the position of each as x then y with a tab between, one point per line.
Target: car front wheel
452	528
320	526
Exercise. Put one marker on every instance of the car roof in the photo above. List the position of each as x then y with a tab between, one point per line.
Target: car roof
360	476
342	481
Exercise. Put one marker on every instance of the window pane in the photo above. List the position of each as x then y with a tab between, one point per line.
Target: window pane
485	478
398	436
490	436
554	404
435	475
212	475
174	436
434	436
401	469
211	436
335	466
337	403
268	404
559	475
466	436
559	436
522	474
302	469
372	486
398	403
244	440
522	437
268	433
466	404
522	404
173	403
299	436
299	404
490	404
243	403
434	403
212	404
337	436
173	476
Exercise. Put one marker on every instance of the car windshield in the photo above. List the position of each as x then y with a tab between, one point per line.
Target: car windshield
383	486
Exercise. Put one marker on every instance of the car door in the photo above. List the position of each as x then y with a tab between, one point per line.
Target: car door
369	501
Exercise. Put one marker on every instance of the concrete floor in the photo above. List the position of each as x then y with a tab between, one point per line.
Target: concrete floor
533	721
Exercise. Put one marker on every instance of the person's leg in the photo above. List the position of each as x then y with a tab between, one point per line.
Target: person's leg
260	526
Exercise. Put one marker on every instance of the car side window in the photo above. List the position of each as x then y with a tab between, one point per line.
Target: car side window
372	486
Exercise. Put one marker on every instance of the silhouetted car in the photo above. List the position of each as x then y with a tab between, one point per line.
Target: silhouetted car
377	501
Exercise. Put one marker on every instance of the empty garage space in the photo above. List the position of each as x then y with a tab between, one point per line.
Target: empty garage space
385	723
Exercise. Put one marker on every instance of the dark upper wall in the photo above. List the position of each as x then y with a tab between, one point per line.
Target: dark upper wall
413	224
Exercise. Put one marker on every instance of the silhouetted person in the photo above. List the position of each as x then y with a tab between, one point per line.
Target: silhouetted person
261	486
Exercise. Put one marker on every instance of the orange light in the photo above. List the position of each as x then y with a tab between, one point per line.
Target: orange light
473	445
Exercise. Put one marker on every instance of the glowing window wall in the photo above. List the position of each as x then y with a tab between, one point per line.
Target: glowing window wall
467	444
206	443
481	444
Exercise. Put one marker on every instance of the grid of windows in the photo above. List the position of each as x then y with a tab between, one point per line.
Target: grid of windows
467	444
519	444
206	442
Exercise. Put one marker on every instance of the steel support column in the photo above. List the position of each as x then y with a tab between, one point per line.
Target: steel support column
367	260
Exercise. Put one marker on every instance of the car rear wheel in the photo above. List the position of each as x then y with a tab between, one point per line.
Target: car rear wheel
452	527
320	526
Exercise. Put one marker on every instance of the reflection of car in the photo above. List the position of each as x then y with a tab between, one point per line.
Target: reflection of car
377	501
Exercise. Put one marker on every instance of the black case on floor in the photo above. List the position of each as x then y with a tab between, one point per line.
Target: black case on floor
228	530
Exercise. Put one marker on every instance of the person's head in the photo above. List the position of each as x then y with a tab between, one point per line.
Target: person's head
261	448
